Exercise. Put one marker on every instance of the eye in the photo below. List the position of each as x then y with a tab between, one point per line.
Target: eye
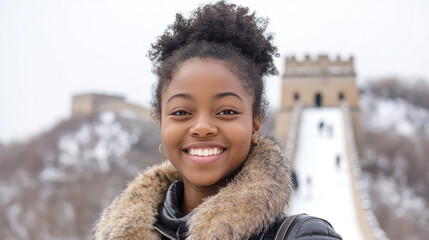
228	112
180	113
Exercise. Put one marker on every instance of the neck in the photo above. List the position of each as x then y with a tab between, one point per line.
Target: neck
194	195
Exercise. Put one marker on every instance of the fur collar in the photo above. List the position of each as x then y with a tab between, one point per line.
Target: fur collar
248	204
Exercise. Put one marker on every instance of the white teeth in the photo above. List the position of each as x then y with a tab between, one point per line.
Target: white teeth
204	152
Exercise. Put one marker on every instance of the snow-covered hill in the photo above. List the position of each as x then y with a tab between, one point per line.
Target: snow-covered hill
395	162
54	186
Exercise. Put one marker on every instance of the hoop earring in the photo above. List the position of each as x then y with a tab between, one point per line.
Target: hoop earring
160	151
255	142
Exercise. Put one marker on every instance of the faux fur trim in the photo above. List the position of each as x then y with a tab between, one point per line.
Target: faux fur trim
248	204
132	214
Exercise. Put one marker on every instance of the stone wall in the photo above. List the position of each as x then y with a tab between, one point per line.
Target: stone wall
368	222
86	104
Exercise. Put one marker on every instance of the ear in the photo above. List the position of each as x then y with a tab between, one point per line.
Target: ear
256	127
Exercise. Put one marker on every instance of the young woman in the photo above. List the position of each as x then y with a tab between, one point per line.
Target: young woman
222	180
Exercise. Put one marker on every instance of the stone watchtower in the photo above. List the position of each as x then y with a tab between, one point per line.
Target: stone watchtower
319	82
90	103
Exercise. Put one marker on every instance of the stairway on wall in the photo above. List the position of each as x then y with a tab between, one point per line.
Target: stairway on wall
325	187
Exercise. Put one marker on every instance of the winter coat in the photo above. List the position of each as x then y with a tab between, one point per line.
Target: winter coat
246	207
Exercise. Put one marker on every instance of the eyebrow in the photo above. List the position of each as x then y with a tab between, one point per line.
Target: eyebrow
180	95
224	94
217	96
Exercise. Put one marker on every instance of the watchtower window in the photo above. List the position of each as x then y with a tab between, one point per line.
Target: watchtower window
318	100
341	96
296	96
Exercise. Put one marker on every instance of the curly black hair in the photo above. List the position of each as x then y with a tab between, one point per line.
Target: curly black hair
220	31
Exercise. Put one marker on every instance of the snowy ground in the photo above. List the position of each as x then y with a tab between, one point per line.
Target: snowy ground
324	187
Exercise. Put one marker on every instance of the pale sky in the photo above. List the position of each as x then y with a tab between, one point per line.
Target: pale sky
52	49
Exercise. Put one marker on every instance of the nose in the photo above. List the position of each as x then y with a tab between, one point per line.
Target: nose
203	127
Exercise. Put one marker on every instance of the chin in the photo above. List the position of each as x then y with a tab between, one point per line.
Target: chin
204	181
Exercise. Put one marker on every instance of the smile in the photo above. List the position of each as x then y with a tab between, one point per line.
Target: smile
204	152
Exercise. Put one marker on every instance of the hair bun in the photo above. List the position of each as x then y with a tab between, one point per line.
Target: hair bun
225	24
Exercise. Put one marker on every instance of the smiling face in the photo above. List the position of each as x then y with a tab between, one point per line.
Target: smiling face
206	122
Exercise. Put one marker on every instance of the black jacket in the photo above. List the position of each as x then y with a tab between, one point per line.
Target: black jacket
304	227
173	225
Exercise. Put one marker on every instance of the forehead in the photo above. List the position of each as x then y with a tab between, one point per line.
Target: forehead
205	77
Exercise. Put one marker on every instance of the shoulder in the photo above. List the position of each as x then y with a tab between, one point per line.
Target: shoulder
300	227
309	227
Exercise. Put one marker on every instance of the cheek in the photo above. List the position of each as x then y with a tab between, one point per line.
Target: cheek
239	134
171	135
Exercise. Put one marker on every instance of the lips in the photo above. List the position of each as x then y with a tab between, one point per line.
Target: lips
204	153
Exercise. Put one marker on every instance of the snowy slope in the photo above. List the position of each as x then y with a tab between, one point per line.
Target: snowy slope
65	177
324	187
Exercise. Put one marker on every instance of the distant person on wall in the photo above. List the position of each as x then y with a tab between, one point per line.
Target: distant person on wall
330	130
321	125
309	187
223	180
338	161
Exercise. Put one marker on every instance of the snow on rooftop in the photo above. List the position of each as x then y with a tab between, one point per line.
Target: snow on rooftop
324	186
